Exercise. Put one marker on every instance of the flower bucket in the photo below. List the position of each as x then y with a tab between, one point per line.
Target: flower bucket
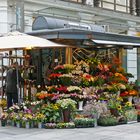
66	115
130	99
18	124
13	123
40	125
3	122
80	105
27	125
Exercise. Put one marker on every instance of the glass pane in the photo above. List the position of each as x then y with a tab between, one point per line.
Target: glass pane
111	1
120	8
122	2
108	6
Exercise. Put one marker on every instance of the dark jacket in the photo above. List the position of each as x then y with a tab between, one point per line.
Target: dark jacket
11	80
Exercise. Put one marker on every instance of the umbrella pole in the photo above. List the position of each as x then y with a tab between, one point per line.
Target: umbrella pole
17	76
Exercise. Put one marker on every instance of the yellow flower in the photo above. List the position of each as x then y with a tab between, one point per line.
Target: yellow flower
119	107
128	104
120	99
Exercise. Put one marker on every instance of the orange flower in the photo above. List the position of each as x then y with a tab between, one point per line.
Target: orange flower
121	76
132	92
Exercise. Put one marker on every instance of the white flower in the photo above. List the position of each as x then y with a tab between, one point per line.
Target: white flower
25	107
73	88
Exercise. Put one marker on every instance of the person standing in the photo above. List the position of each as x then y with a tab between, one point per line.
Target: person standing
13	79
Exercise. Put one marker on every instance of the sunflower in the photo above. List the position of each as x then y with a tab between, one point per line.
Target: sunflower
119	107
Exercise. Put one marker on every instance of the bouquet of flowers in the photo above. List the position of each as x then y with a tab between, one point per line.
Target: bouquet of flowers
66	79
67	104
39	117
73	89
3	103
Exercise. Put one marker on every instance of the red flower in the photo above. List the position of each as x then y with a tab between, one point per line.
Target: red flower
125	93
62	89
54	75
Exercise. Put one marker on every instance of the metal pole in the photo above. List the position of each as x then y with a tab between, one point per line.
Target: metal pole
138	67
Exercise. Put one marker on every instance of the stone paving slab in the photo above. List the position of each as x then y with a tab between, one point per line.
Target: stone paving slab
120	132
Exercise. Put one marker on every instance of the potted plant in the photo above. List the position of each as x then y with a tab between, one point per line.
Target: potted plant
27	120
3	118
51	112
50	125
39	117
84	122
67	106
107	120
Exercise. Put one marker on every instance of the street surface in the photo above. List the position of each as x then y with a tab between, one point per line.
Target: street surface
119	132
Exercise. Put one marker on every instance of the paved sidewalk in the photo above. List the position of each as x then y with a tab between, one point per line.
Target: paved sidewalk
120	132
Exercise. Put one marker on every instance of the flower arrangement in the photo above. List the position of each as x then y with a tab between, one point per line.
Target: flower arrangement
114	101
50	125
87	80
95	109
67	104
44	96
65	125
107	120
66	79
128	106
27	117
52	89
39	117
62	89
68	68
73	89
41	95
59	69
84	122
4	116
3	103
82	66
14	108
18	117
51	112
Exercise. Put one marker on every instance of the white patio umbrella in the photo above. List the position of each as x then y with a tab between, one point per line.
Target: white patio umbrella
17	40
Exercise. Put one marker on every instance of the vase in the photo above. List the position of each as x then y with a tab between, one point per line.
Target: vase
18	124
138	118
130	98
80	105
118	93
13	123
27	125
66	115
3	122
39	125
95	123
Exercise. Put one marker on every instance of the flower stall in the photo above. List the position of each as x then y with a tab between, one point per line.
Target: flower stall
82	94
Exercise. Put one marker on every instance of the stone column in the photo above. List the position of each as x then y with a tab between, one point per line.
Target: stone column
3	16
132	7
84	2
138	7
96	3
